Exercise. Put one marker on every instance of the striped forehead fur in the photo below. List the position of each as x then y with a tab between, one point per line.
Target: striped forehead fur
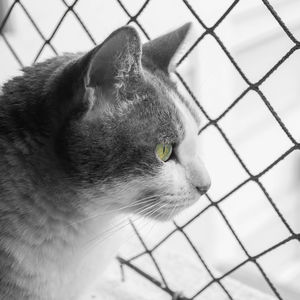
192	107
185	109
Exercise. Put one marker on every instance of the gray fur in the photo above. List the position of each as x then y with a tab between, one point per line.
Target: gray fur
71	124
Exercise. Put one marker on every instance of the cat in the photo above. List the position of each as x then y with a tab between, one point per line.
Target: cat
84	140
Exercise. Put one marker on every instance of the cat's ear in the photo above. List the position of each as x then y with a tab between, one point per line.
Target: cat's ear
162	49
115	63
118	57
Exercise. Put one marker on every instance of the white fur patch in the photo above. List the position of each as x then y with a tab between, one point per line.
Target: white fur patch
188	150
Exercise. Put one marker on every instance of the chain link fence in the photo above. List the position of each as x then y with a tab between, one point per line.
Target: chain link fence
214	204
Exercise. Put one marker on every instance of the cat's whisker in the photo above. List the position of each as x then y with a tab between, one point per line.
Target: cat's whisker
147	216
171	212
155	223
136	203
120	225
153	208
108	233
140	211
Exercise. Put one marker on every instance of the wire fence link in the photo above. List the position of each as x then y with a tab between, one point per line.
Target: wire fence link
162	283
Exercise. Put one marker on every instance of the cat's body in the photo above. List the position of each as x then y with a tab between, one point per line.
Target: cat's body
77	142
42	247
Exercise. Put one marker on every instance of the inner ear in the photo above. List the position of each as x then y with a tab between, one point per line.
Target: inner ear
118	57
162	49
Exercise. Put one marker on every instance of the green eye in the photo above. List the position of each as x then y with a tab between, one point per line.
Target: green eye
163	151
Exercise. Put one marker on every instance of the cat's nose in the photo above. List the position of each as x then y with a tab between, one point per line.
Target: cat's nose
205	182
198	175
203	188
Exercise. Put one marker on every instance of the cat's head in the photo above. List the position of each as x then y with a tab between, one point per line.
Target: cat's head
132	138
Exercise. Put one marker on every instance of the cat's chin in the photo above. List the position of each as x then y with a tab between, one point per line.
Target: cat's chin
169	214
165	217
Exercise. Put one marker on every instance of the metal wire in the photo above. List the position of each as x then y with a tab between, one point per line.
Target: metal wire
162	283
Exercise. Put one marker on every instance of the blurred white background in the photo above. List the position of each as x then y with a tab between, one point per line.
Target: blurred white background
257	43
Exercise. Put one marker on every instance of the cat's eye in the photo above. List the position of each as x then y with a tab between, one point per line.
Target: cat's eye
163	151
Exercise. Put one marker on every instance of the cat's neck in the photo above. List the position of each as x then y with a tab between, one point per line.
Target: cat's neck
68	253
